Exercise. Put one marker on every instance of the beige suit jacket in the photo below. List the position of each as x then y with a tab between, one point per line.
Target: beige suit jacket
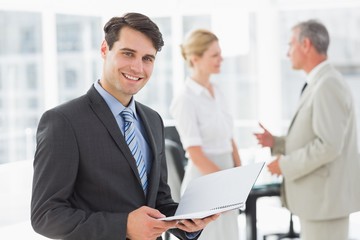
321	163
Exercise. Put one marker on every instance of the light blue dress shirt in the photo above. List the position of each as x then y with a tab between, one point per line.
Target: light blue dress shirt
116	108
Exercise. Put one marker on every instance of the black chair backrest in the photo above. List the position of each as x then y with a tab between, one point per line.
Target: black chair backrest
175	157
172	134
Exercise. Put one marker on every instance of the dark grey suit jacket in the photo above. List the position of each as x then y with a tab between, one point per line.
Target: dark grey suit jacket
85	178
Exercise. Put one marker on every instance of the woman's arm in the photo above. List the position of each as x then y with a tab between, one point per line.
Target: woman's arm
204	164
235	154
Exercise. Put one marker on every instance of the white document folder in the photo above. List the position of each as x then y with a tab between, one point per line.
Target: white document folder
217	192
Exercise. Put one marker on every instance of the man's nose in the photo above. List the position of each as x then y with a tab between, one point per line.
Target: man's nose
136	65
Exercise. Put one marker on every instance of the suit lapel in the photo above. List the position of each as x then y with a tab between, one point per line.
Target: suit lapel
303	98
308	91
101	109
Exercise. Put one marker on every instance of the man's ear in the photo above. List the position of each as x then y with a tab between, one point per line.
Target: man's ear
104	48
306	44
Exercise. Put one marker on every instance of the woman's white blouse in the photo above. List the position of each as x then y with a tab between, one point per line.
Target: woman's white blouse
202	120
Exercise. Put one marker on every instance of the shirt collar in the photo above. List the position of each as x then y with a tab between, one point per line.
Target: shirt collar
316	70
115	106
194	86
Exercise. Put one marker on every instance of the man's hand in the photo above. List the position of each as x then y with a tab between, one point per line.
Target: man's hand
195	225
142	224
265	139
274	167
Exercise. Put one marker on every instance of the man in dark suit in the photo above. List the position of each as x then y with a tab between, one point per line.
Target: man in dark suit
86	181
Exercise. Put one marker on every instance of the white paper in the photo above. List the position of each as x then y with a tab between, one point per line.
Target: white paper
217	192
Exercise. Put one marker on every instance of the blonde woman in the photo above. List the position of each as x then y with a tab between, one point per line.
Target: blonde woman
204	123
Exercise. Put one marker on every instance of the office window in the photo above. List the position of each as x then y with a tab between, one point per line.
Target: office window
3	151
1	79
20	31
32	103
78	63
96	66
3	40
20	60
28	39
239	80
70	79
191	23
32	121
68	37
78	46
96	33
32	76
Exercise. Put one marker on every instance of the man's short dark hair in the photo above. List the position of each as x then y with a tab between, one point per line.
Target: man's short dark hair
136	21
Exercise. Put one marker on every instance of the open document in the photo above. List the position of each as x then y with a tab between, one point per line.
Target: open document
217	192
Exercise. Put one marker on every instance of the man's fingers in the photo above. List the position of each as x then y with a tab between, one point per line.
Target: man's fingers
262	126
195	225
265	130
154	213
212	218
257	135
191	225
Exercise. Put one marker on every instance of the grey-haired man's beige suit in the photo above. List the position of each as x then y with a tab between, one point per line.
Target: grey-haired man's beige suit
321	163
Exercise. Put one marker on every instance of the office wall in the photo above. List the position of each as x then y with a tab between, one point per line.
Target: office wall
49	53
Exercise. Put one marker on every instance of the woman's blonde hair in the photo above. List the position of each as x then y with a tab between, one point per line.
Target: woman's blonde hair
197	43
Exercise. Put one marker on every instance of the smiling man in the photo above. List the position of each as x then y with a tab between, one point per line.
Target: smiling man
99	167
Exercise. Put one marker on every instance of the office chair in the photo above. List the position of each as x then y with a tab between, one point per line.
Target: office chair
290	234
176	161
172	134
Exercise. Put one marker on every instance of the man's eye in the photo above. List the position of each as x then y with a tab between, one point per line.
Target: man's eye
148	59
129	54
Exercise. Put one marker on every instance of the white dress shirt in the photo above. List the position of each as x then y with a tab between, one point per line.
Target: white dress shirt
315	70
203	120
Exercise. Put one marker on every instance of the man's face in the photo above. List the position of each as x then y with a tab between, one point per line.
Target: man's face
128	65
296	51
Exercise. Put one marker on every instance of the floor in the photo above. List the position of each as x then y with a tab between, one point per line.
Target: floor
266	225
268	207
15	185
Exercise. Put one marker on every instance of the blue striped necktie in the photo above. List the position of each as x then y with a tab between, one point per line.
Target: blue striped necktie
131	140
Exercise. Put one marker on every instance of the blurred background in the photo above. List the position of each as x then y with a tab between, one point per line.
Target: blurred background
50	53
